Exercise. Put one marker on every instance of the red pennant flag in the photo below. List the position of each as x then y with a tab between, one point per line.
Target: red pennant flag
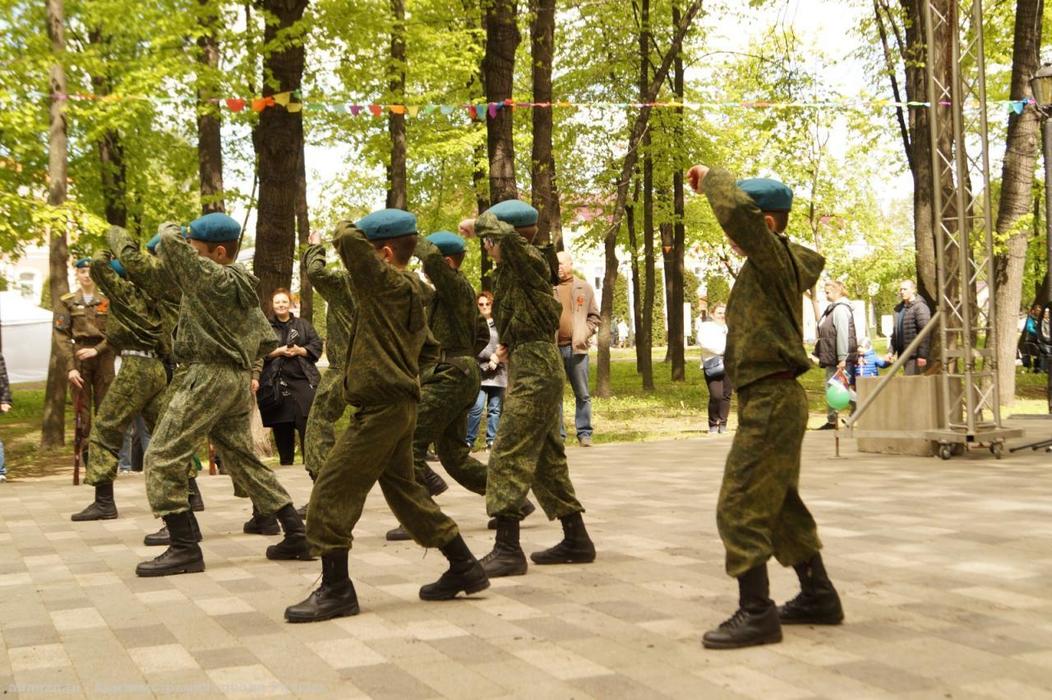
235	104
473	112
376	109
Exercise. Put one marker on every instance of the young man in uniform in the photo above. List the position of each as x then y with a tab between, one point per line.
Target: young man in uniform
760	513
221	333
449	388
382	383
529	451
80	328
134	330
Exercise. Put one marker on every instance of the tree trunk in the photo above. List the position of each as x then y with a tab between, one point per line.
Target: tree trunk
606	313
1017	177
279	150
498	72
637	279
54	422
303	233
209	119
645	332
112	168
632	155
545	190
674	285
397	192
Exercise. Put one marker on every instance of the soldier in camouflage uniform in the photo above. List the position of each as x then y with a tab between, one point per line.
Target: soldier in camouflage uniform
80	334
449	387
760	513
133	330
221	332
529	451
329	404
387	339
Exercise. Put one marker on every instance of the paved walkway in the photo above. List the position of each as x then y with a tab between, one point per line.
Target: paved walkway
944	569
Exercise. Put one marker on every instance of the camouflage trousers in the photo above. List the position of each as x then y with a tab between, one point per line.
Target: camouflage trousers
328	407
138	388
446	396
760	513
213	401
529	451
376	447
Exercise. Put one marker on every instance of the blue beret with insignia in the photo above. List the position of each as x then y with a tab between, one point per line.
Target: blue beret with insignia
387	223
118	268
448	243
151	245
515	212
214	228
769	195
83	262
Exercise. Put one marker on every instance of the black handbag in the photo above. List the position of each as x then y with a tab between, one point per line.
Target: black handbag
273	394
713	367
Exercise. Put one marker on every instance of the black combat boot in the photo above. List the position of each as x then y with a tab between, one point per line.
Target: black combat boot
756	621
196	502
434	483
507	558
183	556
464	574
260	525
398	534
102	508
575	548
527	510
302	510
294	545
162	538
818	602
334	598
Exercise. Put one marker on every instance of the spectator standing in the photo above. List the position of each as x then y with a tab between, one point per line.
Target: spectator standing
1029	350
712	337
494	380
5	406
622	333
289	378
869	362
837	347
911	316
577	324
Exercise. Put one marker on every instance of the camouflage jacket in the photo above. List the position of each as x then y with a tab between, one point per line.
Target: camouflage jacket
765	309
134	322
147	274
524	307
451	312
219	316
389	327
335	287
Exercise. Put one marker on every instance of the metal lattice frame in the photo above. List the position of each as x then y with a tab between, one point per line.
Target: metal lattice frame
963	224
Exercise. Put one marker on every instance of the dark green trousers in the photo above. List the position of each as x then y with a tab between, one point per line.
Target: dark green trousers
328	407
446	396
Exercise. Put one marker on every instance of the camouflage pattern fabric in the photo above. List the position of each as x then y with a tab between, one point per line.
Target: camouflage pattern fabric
760	512
529	451
134	322
216	401
374	448
765	309
328	407
149	276
138	388
335	287
451	311
446	395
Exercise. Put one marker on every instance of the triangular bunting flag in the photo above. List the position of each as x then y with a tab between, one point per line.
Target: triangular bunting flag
446	109
235	104
397	109
281	98
355	110
376	109
413	110
294	107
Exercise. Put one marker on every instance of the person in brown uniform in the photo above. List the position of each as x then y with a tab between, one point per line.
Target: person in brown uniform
760	513
80	328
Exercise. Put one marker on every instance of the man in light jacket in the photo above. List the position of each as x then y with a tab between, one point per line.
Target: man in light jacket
578	323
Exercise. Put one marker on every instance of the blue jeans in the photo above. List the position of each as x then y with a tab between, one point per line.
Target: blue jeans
3	465
136	429
491	398
577	372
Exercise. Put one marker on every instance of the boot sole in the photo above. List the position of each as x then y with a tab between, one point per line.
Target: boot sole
398	538
467	590
567	560
88	520
293	557
827	622
194	569
502	574
294	619
265	533
166	543
772	639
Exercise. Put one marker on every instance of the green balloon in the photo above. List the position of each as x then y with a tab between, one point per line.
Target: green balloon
837	396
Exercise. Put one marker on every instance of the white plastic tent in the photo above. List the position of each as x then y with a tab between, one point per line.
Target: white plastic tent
26	332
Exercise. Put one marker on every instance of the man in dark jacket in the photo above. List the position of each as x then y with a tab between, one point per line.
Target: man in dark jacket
911	316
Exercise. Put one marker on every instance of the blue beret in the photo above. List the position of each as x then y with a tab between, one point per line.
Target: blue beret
448	243
151	245
118	268
769	195
83	262
215	228
515	212
387	223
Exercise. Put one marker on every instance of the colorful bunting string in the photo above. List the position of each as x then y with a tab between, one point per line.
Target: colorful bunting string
293	102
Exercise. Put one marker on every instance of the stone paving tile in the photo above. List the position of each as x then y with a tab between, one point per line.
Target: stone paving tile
941	565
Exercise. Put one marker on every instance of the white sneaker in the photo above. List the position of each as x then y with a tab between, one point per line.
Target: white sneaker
3	478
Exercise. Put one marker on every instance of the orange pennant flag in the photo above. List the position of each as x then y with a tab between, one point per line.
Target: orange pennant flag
397	109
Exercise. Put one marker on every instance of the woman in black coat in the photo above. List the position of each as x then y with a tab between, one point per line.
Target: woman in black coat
289	377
